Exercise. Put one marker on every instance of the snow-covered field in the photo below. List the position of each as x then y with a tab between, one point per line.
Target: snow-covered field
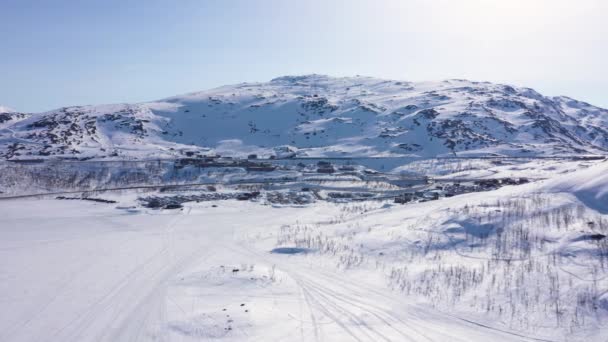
520	263
74	271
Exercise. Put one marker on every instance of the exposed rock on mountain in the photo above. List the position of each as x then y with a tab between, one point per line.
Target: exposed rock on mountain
317	115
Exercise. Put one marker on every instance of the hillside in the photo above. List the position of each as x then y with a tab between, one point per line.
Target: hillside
589	186
317	115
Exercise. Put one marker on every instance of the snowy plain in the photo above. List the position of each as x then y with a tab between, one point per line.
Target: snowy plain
76	271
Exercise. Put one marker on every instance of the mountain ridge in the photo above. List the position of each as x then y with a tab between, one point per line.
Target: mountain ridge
318	116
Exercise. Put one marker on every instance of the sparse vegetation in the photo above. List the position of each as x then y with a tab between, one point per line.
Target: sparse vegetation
515	259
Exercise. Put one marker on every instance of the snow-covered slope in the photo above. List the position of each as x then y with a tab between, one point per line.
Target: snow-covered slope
9	117
318	115
531	258
590	186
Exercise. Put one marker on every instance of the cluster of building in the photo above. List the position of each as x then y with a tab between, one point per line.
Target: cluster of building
250	164
456	188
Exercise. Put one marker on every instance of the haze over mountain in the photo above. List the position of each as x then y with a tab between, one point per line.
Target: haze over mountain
317	115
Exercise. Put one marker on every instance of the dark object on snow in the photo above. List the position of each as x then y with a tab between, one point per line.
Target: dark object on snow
173	206
99	200
404	198
252	156
290	197
514	181
347	168
261	167
488	183
590	237
290	250
326	169
154	202
26	161
247	195
350	195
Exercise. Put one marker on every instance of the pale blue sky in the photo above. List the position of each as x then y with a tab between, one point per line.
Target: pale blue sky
73	52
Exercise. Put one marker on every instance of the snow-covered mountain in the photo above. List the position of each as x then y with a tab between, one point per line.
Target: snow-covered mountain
317	115
4	109
7	118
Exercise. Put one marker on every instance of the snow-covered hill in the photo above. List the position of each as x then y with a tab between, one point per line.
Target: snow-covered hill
589	186
9	117
317	115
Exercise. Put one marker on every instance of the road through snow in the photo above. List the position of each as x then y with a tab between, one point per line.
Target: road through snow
80	271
